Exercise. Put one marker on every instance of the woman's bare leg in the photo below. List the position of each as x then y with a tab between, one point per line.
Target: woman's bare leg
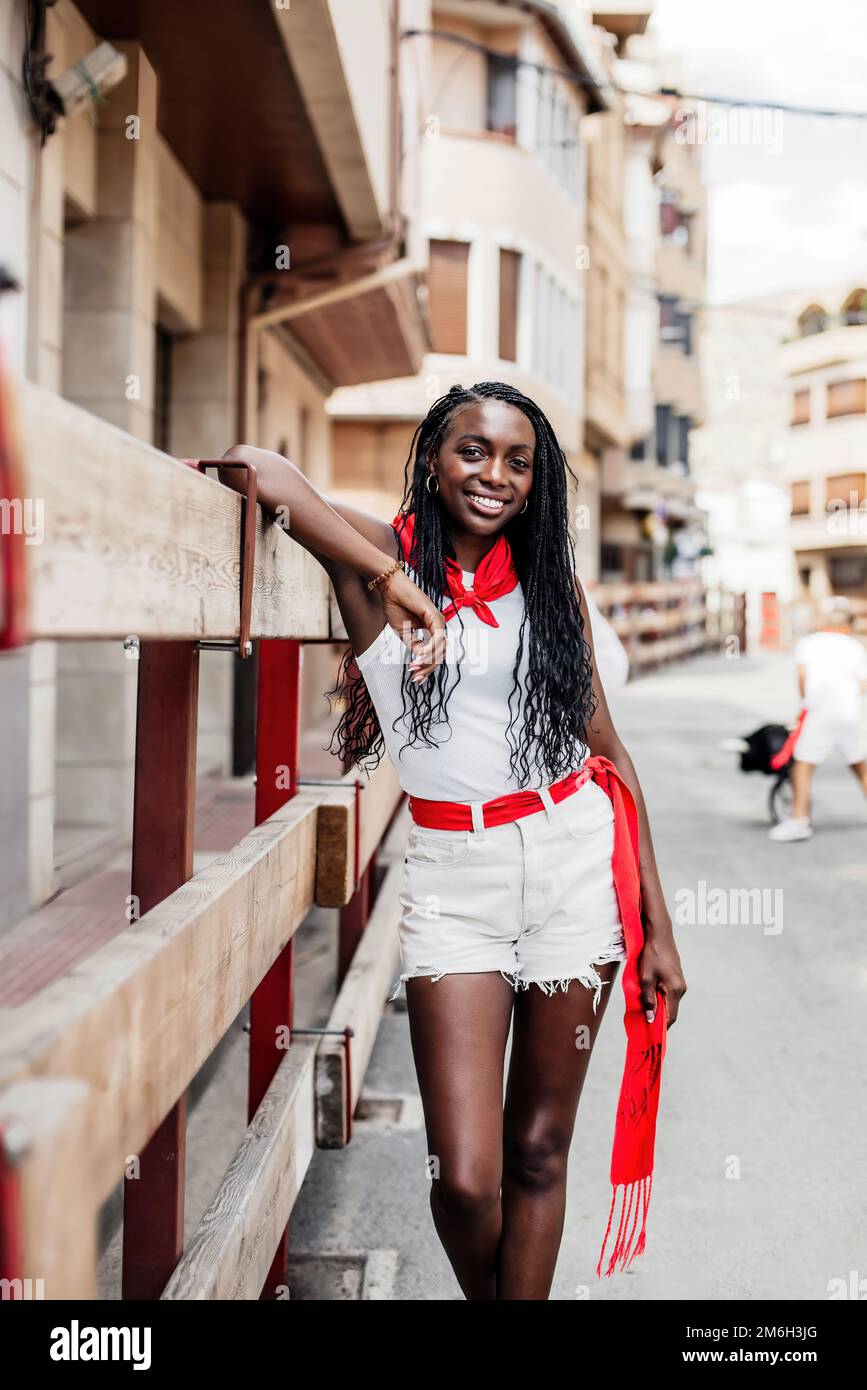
459	1025
552	1039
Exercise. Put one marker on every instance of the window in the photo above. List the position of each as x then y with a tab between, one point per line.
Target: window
800	408
663	435
502	112
846	398
845	489
684	425
812	320
447	287
855	308
162	426
800	499
510	276
847	572
675	324
674	225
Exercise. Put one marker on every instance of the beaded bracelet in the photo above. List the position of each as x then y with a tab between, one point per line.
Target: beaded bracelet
380	578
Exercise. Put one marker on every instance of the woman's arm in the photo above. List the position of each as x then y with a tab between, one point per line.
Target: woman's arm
353	547
659	966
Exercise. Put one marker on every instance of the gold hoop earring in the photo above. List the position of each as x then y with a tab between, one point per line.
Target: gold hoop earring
432	478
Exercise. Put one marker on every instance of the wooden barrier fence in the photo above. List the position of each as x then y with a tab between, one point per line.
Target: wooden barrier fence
666	620
95	1067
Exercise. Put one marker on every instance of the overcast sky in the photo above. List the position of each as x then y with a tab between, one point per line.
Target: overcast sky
791	210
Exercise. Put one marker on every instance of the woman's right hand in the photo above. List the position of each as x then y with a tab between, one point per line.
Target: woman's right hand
406	609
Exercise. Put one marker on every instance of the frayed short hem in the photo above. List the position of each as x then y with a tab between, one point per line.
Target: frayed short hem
589	978
422	974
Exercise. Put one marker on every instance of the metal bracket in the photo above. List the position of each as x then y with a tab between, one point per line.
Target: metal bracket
243	646
345	1034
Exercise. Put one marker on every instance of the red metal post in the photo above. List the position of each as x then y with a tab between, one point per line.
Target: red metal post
278	710
11	1238
162	859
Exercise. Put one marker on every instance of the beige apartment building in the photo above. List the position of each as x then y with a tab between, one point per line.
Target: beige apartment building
824	366
650	209
739	461
207	246
502	209
607	432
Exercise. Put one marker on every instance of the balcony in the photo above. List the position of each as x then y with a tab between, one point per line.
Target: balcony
842	344
829	531
679	273
677	381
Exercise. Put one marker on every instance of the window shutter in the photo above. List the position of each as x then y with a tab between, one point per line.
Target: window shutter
447	285
845	488
510	271
847	398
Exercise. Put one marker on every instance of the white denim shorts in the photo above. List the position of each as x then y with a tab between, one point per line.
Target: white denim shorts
534	899
821	736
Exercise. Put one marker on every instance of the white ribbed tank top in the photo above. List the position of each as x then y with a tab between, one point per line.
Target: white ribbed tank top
471	756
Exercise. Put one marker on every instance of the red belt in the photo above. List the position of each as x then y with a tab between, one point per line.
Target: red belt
458	815
635	1126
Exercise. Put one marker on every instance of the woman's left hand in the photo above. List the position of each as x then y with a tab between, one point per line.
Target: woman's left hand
659	969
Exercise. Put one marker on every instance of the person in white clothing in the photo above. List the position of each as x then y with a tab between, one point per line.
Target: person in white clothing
472	666
831	666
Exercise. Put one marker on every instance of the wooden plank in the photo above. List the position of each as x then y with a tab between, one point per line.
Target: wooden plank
335	865
46	1123
138	1018
358	1006
230	1252
380	796
335	848
136	543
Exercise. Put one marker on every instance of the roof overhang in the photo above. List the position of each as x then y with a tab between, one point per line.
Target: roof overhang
622	19
568	38
364	330
320	58
571	43
230	106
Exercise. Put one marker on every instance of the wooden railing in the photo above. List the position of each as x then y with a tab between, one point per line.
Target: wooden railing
666	620
94	1068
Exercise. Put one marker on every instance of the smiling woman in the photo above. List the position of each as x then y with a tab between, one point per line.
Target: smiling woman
520	886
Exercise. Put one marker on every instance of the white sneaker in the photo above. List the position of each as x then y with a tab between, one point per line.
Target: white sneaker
791	830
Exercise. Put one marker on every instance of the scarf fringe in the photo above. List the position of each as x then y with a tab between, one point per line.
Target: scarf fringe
631	1236
638	1105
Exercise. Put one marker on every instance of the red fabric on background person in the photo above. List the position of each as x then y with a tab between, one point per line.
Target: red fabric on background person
787	751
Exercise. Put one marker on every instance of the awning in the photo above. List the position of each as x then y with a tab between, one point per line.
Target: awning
363	330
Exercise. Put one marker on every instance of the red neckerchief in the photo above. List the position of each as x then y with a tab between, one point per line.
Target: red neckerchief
495	576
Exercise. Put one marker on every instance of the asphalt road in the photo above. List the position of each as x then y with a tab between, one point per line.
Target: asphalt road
759	1186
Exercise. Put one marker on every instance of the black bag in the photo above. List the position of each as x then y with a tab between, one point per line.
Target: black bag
762	745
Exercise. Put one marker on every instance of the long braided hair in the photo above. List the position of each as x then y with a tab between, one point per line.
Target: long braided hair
559	702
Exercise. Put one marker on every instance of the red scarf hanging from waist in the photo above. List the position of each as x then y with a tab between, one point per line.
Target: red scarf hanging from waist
638	1103
495	576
